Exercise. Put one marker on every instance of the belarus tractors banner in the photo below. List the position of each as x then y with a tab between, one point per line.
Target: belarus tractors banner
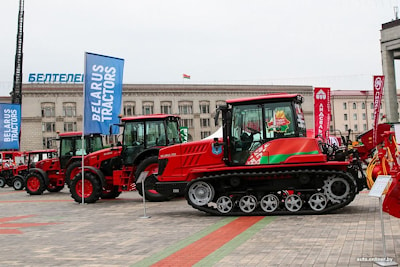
10	126
378	92
322	111
103	92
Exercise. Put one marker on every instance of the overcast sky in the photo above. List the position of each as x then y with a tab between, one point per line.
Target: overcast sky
320	43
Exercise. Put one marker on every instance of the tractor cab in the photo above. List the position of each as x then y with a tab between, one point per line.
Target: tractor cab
250	123
145	132
71	145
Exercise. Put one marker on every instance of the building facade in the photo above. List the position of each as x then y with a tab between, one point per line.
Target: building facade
354	110
48	109
51	108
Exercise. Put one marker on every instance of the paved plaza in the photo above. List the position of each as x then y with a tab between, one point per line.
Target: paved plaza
53	230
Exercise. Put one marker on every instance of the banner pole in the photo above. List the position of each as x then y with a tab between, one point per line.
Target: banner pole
83	132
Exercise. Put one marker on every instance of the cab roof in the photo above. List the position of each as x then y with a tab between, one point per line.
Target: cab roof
149	117
274	97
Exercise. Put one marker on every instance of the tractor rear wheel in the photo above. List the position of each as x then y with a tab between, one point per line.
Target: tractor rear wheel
91	188
149	167
35	184
18	182
70	172
2	181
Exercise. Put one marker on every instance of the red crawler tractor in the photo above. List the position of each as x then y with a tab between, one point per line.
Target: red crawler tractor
263	164
110	171
54	172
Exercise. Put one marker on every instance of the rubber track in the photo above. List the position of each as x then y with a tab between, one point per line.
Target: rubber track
258	212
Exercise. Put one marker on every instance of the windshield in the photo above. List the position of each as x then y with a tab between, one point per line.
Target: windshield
255	124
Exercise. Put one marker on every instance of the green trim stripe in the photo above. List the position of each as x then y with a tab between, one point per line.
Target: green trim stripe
282	157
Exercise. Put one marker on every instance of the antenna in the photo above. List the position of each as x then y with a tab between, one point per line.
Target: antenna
396	12
16	94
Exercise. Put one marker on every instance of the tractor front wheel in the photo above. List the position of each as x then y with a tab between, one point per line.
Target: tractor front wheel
35	184
2	181
18	182
91	190
148	168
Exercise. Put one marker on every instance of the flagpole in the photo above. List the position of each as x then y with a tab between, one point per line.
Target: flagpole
83	133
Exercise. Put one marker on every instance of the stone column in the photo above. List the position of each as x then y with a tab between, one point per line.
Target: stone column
390	94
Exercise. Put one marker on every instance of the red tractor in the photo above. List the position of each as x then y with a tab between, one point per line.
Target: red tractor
31	157
9	162
263	164
110	171
53	173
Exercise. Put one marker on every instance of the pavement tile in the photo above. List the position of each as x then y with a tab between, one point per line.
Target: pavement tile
56	231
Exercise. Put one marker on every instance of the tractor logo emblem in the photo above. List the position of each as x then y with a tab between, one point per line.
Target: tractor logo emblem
216	150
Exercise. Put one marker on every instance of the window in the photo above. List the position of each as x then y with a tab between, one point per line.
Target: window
372	105
344	105
355	127
205	122
129	108
185	108
48	142
362	105
364	116
48	110
346	127
364	127
69	126
354	105
147	108
48	127
205	134
345	117
166	107
187	123
69	109
204	108
355	116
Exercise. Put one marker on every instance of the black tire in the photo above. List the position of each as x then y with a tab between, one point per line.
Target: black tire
93	188
149	182
68	171
55	189
111	194
2	182
18	182
9	181
34	184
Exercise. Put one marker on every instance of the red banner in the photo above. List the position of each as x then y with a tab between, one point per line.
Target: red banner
322	111
378	92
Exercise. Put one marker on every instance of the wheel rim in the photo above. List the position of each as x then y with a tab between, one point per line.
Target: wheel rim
33	183
336	189
269	203
2	182
87	187
293	203
317	201
17	184
248	203
224	204
200	193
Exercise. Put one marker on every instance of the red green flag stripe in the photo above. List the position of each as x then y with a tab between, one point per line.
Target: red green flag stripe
209	245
